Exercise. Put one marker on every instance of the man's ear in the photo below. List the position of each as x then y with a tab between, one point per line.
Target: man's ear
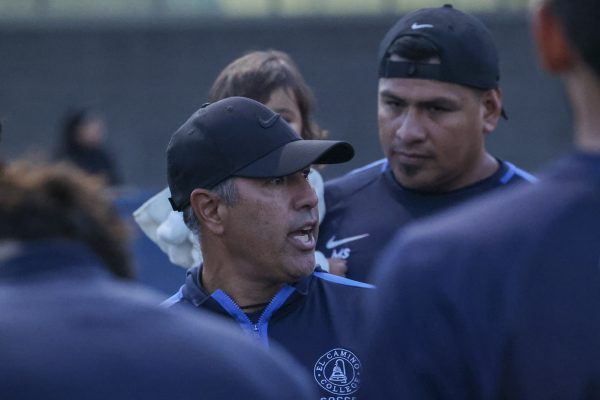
206	206
491	103
554	50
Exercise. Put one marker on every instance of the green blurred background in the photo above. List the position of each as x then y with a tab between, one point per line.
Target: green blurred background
148	9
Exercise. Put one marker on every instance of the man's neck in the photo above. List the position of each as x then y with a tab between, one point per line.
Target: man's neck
250	294
486	168
584	89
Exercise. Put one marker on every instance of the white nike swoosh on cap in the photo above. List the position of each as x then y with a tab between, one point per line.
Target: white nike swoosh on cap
267	123
415	26
332	243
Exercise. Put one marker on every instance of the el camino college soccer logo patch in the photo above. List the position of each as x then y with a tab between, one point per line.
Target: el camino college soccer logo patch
338	371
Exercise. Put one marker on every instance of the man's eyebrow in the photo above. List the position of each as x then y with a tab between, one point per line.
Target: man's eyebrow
387	93
425	101
439	101
389	96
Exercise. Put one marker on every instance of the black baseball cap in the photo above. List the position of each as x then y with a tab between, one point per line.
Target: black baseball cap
468	54
240	137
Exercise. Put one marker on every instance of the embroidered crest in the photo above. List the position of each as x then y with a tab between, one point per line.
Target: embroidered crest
338	371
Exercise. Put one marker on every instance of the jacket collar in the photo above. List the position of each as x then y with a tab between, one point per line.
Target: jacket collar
197	295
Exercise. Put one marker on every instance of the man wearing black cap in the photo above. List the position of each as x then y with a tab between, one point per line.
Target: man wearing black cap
508	309
238	172
438	98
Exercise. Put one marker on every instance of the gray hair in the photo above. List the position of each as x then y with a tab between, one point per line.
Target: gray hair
226	190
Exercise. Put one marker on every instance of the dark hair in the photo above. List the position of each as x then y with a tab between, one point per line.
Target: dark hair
72	121
60	201
413	48
580	20
96	160
258	74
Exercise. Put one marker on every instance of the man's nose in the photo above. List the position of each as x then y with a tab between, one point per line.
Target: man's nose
411	127
306	196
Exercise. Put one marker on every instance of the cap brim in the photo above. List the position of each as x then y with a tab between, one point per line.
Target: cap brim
294	156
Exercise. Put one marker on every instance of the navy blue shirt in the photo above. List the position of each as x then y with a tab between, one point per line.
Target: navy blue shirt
70	331
367	206
315	320
499	299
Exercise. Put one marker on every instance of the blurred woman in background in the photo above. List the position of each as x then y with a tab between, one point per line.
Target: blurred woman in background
83	144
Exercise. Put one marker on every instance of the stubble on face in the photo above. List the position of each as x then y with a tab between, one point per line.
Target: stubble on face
262	226
430	132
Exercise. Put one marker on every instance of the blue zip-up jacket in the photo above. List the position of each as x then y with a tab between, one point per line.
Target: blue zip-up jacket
315	320
367	206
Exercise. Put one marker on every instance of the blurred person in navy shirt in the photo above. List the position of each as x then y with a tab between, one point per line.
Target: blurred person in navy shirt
74	327
499	299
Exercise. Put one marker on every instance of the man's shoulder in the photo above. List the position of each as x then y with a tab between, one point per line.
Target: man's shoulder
354	180
338	300
337	287
527	208
340	282
189	292
479	218
486	230
510	173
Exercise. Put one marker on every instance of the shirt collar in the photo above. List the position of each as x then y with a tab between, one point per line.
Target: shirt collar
197	295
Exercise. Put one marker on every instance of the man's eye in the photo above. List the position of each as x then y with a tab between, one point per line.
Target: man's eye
306	173
277	181
438	108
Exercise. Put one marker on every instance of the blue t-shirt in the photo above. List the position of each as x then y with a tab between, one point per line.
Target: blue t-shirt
500	299
367	206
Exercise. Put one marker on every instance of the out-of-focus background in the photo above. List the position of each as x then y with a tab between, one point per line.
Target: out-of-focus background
146	65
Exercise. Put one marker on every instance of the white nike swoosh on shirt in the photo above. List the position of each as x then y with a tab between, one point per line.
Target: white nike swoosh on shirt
416	26
332	243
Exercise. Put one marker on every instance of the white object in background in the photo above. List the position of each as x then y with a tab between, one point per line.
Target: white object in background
166	228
